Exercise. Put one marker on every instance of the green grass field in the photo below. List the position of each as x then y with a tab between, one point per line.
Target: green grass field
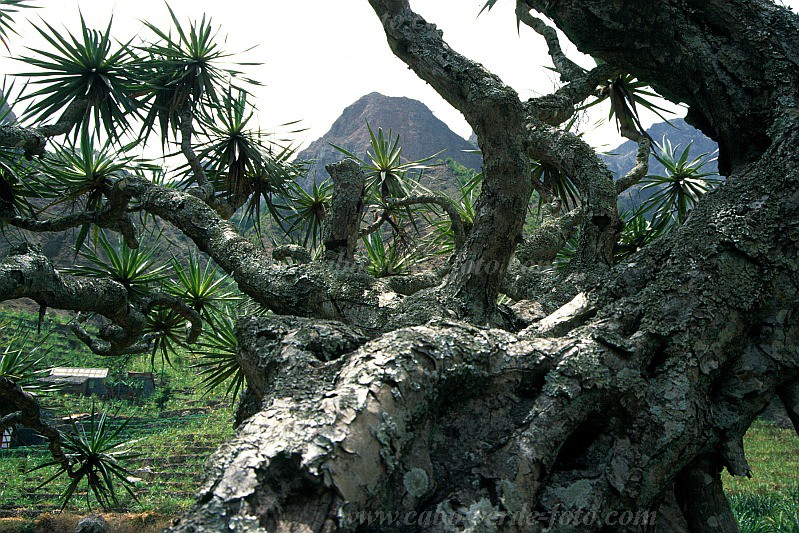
174	431
176	437
769	502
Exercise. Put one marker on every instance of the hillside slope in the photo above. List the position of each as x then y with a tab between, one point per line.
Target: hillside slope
421	134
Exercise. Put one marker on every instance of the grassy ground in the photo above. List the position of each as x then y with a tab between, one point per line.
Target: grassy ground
173	452
769	502
174	431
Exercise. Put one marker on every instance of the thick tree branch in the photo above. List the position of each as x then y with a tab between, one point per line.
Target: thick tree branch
701	497
204	189
69	118
738	88
284	290
640	169
600	215
33	140
344	218
374	226
556	108
25	410
291	251
498	118
568	69
26	273
389	390
113	215
549	238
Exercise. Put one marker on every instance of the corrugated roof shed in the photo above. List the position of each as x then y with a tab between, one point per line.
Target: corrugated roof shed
76	372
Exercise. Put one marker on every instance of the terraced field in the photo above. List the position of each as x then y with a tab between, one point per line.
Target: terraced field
173	451
174	431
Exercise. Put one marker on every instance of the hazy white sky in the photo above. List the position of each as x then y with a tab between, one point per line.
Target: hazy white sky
319	56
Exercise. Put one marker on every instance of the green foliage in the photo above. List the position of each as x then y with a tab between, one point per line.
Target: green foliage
203	288
80	172
677	192
638	231
442	237
167	331
551	182
181	72
241	162
88	68
766	513
768	501
174	444
81	168
568	252
626	94
217	350
19	183
7	10
21	359
386	258
557	184
135	269
385	171
97	455
306	211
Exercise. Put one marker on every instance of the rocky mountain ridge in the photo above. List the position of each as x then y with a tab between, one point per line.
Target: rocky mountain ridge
421	134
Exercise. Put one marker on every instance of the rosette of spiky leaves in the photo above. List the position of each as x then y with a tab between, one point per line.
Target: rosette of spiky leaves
97	456
217	348
202	287
19	180
182	70
166	329
18	184
241	161
386	258
305	212
135	269
626	94
385	171
81	172
555	184
638	231
87	68
679	190
442	240
21	359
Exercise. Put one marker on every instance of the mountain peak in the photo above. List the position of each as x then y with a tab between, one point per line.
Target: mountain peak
421	133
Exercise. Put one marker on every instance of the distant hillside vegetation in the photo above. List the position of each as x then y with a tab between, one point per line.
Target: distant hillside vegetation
421	134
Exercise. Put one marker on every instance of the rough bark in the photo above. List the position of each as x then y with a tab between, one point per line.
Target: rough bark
671	361
344	219
26	273
735	60
701	497
638	390
497	116
635	392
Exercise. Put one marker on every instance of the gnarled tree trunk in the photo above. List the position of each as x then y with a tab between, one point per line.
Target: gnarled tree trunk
618	411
